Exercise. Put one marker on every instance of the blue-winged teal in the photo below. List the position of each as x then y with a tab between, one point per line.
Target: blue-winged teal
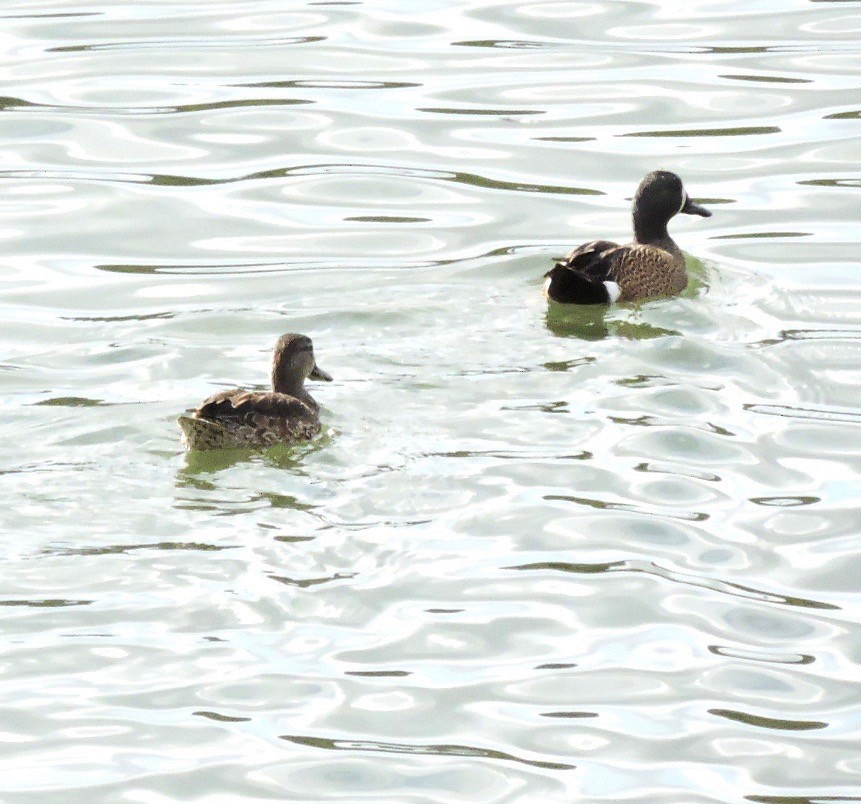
284	415
602	272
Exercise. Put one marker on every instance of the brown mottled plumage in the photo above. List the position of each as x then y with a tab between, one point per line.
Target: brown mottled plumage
285	415
653	265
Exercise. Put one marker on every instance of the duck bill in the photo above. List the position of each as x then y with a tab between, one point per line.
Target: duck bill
318	374
690	208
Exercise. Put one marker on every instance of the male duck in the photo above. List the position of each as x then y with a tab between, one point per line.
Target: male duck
254	419
602	272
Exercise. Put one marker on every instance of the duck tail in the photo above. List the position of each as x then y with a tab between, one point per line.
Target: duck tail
571	287
202	433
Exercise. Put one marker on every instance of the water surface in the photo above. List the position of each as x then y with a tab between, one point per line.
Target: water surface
538	554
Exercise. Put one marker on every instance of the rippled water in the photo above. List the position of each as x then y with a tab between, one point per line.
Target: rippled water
538	555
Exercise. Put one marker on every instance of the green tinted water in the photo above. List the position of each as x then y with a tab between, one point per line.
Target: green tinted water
538	554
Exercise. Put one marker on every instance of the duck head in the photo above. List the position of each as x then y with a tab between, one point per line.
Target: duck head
293	362
661	196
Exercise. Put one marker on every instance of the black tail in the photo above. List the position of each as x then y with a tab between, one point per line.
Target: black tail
570	287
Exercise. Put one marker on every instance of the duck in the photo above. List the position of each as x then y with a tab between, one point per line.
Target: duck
287	414
603	272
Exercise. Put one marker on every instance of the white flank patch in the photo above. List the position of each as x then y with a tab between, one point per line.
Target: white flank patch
547	283
613	290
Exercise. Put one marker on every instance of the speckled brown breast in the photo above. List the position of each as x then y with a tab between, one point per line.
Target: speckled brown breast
644	271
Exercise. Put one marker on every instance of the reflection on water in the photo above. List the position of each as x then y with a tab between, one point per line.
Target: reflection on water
211	461
594	322
581	321
540	552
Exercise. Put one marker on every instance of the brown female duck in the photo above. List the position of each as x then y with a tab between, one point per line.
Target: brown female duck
254	419
602	272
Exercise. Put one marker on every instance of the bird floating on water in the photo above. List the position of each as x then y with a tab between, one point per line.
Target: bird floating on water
602	272
285	415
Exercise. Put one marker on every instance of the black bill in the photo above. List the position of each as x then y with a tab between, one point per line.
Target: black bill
690	208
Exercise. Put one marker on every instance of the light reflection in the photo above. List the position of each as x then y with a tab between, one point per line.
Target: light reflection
531	533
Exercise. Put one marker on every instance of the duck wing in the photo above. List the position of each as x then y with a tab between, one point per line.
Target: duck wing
238	407
585	275
590	260
238	418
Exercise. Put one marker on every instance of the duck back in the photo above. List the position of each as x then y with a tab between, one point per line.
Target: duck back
239	418
591	260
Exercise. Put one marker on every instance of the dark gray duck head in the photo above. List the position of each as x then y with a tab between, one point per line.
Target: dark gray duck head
661	196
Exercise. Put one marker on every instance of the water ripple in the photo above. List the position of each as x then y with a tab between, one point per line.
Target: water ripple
187	43
436	750
768	723
528	537
331	169
650	568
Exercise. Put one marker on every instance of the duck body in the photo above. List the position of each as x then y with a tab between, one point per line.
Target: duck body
254	419
602	272
238	418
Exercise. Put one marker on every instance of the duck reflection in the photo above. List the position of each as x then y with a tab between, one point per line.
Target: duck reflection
593	322
199	463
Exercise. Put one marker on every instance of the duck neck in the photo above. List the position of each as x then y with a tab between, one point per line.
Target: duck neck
305	397
293	386
648	231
